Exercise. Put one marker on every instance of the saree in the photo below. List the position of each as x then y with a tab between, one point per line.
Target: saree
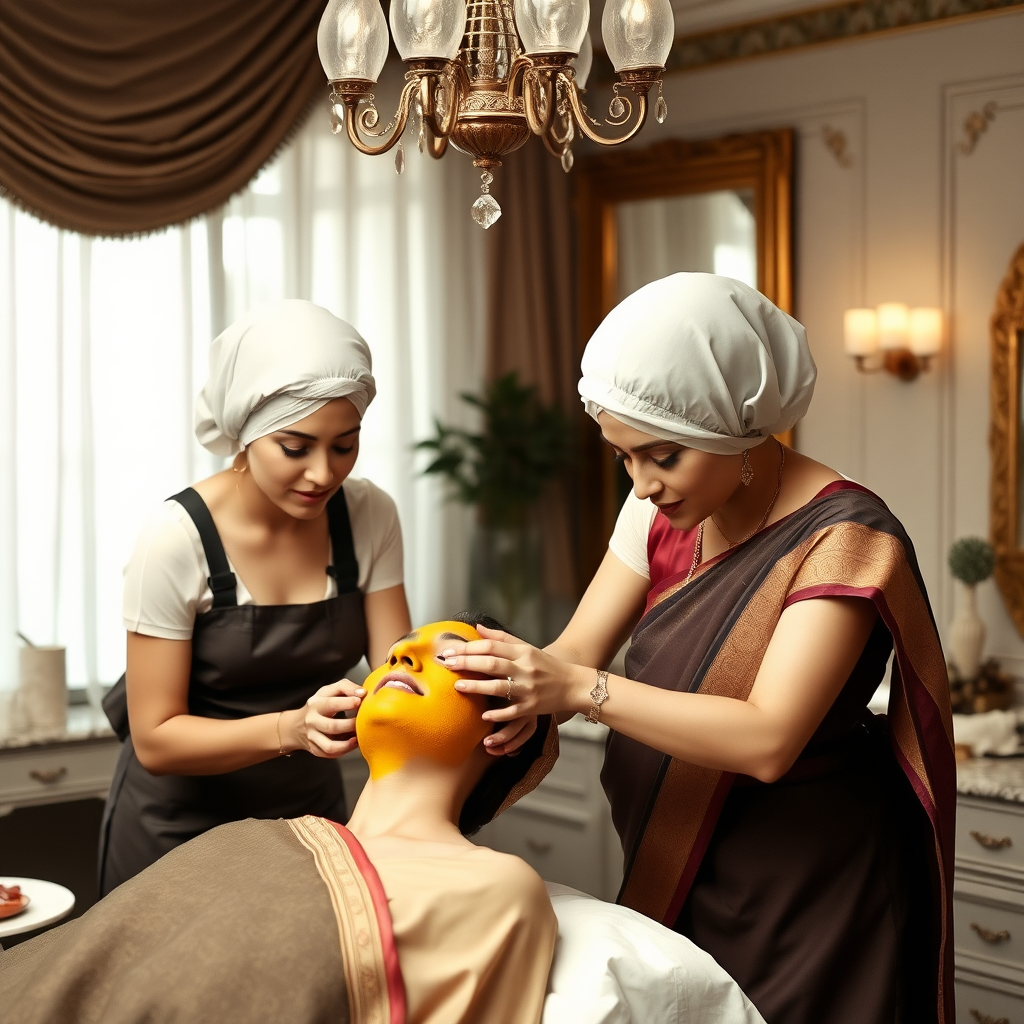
758	873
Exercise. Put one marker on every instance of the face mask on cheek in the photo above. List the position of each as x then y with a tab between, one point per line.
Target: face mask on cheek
396	724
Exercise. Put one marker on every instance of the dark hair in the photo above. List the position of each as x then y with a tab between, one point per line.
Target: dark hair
480	619
506	773
475	619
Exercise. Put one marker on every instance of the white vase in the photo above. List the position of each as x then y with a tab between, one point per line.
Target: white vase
967	636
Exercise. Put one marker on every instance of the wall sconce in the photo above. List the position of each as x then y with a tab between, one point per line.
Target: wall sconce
893	337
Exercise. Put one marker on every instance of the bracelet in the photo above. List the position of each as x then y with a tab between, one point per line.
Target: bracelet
280	746
598	695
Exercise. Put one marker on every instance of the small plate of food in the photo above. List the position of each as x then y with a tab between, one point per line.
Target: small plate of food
12	900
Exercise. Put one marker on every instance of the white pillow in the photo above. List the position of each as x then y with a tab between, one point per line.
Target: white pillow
615	966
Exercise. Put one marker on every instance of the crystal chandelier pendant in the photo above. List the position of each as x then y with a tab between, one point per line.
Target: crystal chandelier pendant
567	159
337	118
399	159
617	108
485	211
660	108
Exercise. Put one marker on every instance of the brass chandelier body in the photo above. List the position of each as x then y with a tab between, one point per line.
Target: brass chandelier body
491	97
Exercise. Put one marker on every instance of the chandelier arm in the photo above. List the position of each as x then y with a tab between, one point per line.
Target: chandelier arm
535	85
354	121
437	145
519	67
451	80
550	144
583	122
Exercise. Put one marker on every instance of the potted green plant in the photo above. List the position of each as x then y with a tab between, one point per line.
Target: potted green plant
971	561
503	470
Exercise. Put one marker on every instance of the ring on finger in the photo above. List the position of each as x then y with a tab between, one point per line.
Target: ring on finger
510	696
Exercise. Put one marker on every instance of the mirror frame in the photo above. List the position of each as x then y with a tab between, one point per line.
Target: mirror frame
1007	328
759	161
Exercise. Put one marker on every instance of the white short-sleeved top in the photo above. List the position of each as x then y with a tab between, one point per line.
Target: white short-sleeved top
629	538
165	580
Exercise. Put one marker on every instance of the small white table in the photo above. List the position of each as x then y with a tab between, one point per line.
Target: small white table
50	903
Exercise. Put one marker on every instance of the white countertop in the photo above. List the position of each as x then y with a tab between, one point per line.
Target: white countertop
84	723
998	778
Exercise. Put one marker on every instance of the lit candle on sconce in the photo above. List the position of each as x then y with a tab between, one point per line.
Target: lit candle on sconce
893	326
926	332
860	332
906	339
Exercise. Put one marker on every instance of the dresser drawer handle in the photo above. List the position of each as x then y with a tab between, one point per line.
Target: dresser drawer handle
984	1018
987	935
991	843
48	776
538	847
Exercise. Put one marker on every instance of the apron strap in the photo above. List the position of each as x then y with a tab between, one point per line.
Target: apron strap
345	569
221	579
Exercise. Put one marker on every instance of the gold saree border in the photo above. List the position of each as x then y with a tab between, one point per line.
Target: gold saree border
532	779
848	558
365	946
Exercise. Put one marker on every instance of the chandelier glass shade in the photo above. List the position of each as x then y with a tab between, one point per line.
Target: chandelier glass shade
485	75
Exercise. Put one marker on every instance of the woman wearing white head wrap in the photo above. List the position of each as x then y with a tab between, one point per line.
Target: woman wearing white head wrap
760	807
238	639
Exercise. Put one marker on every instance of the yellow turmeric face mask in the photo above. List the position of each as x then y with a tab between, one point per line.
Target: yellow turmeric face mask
412	710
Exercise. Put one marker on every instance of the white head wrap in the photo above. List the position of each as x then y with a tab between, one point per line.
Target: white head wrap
702	360
276	365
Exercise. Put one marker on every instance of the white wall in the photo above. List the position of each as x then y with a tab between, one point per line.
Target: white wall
907	217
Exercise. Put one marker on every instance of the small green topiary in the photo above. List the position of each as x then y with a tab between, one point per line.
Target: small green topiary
971	560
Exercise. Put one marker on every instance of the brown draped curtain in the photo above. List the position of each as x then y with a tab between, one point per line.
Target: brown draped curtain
124	116
532	325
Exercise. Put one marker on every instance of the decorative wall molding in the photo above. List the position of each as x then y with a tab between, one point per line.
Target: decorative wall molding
825	24
837	144
975	125
962	103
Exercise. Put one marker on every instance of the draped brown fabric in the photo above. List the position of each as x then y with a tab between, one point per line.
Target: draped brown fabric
531	324
122	116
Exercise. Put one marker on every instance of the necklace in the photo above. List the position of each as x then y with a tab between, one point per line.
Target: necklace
698	550
767	511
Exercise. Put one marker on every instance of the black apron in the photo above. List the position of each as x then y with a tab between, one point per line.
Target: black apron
246	660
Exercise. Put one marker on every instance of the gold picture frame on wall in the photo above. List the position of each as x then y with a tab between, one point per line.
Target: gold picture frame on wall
1005	441
759	164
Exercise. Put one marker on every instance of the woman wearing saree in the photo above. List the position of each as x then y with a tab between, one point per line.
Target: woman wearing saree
763	810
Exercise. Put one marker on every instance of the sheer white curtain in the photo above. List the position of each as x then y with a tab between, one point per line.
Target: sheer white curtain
103	348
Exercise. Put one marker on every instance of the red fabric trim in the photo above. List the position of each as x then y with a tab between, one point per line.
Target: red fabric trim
396	986
700	846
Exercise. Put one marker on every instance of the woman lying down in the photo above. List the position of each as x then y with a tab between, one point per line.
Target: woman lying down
244	923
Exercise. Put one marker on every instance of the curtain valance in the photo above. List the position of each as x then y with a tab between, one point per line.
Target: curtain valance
124	116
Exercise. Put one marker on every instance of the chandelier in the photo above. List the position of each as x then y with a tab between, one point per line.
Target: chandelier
486	75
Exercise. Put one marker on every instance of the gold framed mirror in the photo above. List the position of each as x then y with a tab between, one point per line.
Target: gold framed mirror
720	205
1005	441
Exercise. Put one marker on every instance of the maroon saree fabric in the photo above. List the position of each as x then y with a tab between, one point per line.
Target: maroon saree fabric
709	636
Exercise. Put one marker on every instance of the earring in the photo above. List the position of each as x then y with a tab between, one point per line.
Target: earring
235	469
746	470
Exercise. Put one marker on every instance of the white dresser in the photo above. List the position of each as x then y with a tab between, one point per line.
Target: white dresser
988	900
77	764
